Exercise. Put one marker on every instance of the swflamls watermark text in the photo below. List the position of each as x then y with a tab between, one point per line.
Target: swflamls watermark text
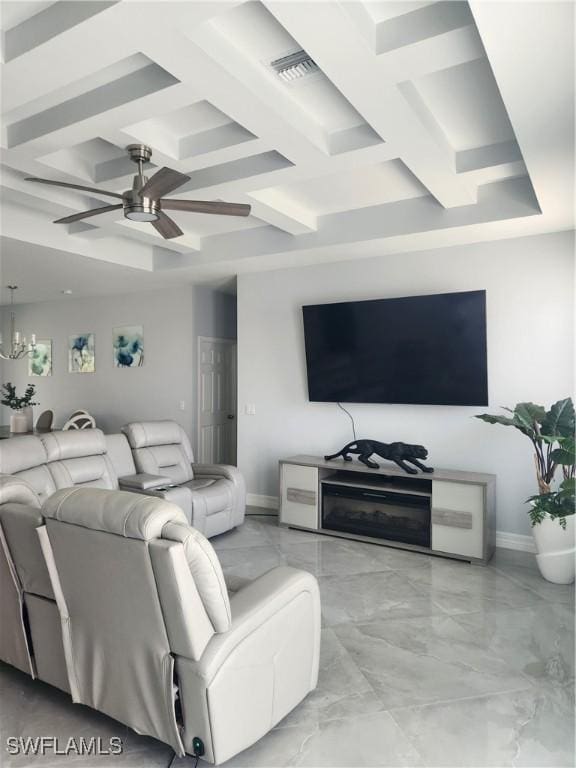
53	745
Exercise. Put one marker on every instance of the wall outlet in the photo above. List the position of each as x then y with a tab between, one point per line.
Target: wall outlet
182	405
250	409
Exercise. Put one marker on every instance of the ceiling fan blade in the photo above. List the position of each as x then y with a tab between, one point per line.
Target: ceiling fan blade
163	182
206	206
75	186
166	227
87	214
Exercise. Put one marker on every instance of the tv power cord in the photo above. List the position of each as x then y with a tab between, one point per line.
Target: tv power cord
350	417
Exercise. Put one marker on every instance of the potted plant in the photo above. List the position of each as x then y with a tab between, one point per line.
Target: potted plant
552	510
19	420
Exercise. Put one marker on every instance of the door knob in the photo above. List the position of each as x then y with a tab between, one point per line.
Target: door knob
230	416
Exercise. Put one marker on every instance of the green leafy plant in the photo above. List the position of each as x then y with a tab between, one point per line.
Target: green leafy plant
11	399
552	436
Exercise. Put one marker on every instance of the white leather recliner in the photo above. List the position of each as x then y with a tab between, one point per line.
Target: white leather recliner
152	637
218	490
18	502
33	468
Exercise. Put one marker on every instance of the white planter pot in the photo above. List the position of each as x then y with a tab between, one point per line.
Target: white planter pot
29	413
556	549
18	422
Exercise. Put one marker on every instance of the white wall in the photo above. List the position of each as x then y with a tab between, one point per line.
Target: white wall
172	321
529	284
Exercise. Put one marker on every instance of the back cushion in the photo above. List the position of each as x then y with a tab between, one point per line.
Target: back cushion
120	454
25	457
89	471
79	458
71	444
119	658
20	516
161	448
167	460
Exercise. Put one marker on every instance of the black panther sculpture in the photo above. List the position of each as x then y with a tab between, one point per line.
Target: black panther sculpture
399	453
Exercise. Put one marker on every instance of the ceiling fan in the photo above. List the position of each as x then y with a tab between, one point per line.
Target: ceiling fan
144	202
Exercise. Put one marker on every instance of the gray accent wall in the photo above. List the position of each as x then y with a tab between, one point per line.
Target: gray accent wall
530	297
172	320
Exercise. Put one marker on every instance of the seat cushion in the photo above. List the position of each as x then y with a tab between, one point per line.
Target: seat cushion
200	482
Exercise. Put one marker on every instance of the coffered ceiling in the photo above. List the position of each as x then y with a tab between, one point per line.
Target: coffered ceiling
424	124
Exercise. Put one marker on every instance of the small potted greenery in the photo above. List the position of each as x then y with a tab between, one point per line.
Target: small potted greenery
19	421
552	509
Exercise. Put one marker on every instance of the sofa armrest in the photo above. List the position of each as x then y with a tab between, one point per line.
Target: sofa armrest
19	523
253	605
143	481
233	475
226	471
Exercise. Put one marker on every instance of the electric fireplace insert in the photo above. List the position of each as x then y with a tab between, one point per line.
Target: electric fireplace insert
382	514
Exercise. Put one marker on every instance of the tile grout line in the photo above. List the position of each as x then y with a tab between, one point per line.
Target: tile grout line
443	702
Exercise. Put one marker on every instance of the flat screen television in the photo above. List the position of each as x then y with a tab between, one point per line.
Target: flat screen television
425	350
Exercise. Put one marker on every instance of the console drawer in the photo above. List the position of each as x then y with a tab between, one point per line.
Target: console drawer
299	496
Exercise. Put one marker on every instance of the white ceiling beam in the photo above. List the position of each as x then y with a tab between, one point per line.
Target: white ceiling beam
329	166
107	38
430	20
459	46
504	200
323	29
23	223
488	156
280	212
229	92
537	90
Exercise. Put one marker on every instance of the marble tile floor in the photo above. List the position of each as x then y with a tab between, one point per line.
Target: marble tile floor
424	662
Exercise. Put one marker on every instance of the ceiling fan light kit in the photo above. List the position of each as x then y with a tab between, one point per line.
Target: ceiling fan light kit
144	202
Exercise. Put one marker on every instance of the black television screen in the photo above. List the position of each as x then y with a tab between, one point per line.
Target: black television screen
428	350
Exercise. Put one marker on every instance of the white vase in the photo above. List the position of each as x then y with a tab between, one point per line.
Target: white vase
18	422
556	549
28	411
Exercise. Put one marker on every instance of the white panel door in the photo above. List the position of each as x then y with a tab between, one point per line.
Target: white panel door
216	401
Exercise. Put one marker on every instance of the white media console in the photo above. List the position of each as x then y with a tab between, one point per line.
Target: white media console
447	512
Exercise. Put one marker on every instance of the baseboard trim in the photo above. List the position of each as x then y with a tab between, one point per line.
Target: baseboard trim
517	541
258	500
504	540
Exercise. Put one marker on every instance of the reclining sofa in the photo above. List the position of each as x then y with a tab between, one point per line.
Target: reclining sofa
85	566
154	458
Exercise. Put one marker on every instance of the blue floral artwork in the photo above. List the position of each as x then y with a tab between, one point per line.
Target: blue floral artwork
40	361
128	346
81	357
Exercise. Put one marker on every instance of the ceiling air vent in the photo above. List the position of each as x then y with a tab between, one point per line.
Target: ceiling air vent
294	66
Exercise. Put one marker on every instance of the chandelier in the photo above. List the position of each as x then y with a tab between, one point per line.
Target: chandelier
18	347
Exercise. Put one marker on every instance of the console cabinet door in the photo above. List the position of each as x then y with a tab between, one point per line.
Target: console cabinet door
458	518
299	496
